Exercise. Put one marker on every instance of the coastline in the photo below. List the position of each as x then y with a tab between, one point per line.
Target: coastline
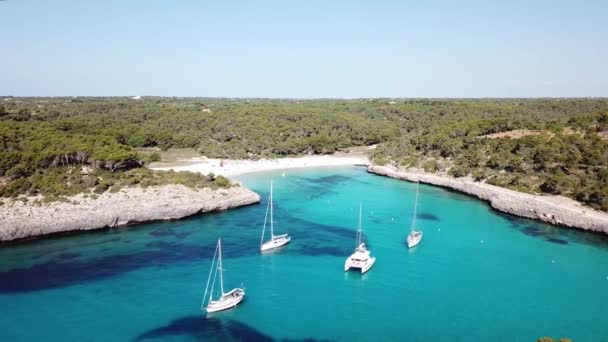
232	167
19	220
557	210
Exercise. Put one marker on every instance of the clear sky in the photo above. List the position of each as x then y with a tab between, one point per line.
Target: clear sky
304	48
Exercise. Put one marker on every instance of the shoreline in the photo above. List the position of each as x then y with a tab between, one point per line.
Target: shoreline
556	210
21	221
235	167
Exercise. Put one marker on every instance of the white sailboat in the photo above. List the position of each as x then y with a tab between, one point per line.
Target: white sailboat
414	236
226	300
360	258
275	241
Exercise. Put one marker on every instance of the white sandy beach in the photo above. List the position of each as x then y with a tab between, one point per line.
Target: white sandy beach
229	167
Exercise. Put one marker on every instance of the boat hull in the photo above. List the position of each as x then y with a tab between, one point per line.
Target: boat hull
275	243
414	240
228	301
361	266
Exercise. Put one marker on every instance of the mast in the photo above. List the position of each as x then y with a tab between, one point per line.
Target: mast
359	227
271	220
219	265
265	221
415	207
209	280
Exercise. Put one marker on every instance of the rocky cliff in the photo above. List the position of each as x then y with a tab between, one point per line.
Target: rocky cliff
556	210
20	219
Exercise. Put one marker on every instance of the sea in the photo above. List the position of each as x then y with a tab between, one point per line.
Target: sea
477	275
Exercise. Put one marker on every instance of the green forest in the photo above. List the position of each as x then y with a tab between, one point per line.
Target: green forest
553	146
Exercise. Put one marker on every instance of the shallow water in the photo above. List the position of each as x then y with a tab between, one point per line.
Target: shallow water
477	274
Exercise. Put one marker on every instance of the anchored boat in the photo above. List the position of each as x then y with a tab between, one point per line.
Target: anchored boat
361	258
226	300
275	241
414	237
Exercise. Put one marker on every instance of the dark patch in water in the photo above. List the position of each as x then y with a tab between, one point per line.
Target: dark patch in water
182	235
532	231
548	233
427	216
308	227
326	180
160	244
60	273
557	241
333	179
320	193
68	255
169	232
163	232
515	221
199	328
309	238
314	188
378	220
116	239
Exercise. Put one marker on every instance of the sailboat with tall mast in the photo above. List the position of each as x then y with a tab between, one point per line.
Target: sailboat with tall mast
275	241
414	236
360	258
226	300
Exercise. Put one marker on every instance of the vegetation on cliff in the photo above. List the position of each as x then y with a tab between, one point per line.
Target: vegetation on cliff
533	145
43	158
554	148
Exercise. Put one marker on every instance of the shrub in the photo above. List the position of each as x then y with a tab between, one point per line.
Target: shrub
221	181
102	187
380	161
430	165
458	171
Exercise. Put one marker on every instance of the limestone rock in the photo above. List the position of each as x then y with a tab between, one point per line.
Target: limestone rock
20	220
557	210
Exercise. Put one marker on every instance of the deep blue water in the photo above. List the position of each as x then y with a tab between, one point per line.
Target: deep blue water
477	275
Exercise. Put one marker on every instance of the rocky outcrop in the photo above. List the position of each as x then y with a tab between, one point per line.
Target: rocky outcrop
556	210
20	220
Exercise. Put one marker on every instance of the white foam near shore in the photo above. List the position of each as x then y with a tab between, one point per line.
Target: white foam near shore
229	167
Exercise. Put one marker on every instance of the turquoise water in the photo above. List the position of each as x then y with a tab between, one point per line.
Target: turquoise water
477	274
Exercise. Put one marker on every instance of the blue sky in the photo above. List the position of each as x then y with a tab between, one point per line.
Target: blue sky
304	48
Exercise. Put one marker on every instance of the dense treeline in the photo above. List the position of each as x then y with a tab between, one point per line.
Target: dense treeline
46	143
550	146
217	128
560	150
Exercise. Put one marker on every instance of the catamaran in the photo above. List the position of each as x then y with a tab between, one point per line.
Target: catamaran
226	300
360	258
414	236
275	241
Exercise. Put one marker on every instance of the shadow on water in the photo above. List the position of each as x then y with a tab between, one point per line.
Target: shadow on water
427	216
557	241
199	328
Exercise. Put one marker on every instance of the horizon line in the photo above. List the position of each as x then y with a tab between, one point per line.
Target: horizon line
141	97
